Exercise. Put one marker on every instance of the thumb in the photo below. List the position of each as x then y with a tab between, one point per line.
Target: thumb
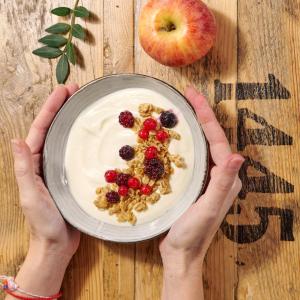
23	168
221	182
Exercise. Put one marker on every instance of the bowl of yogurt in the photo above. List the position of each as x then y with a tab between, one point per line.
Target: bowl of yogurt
83	143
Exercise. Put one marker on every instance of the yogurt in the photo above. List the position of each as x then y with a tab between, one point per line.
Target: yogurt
93	148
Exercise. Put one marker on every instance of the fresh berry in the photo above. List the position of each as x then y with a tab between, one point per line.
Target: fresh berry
150	124
110	176
168	119
134	183
112	197
126	119
126	152
146	189
123	190
144	134
162	135
154	168
151	152
122	179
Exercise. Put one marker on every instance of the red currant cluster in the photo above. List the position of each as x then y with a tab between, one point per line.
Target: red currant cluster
125	182
150	125
126	119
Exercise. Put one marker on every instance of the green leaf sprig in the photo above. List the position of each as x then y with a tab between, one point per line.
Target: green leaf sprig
59	45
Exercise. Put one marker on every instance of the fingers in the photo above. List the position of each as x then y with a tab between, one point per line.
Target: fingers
221	185
40	125
37	163
24	169
72	88
219	145
235	189
42	122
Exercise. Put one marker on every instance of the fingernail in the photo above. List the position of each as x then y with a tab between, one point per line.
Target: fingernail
236	162
16	146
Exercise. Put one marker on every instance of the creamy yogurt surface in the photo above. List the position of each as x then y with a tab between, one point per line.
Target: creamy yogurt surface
93	148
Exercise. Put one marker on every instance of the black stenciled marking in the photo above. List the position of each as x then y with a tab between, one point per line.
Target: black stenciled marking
270	183
269	135
229	134
273	89
222	91
243	234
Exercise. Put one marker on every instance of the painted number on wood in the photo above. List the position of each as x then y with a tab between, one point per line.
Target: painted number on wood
268	182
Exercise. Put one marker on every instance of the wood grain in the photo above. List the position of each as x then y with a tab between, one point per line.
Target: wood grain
118	259
267	272
255	38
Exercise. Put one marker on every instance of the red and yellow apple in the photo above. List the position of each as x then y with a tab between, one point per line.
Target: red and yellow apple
176	32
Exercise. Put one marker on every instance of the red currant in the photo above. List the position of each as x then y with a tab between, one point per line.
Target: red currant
134	183
151	152
150	124
146	189
123	190
110	176
144	134
162	135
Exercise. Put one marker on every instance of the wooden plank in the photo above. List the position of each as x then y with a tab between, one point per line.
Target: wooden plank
24	82
25	85
85	273
220	268
220	63
118	259
268	42
148	269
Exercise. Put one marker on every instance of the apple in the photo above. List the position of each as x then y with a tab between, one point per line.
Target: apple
176	33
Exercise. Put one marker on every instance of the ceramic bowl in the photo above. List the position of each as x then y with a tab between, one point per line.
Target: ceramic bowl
54	155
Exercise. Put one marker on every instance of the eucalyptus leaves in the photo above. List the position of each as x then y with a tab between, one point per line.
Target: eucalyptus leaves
58	43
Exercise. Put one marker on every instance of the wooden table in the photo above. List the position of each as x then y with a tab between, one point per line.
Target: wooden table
251	78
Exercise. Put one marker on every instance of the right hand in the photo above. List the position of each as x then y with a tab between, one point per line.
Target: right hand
189	238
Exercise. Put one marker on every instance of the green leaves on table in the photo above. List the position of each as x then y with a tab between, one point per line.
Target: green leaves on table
53	40
61	11
59	28
81	12
60	35
71	53
47	52
62	69
78	31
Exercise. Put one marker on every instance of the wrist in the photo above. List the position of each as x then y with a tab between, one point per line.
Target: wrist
181	262
49	250
182	267
182	277
44	253
43	269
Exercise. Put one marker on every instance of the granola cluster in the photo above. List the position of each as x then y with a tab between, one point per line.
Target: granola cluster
149	165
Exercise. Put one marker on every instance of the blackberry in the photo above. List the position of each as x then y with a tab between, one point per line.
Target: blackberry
126	152
126	119
168	119
154	168
112	197
122	179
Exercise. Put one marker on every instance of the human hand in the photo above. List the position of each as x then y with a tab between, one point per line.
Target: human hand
184	248
52	241
48	229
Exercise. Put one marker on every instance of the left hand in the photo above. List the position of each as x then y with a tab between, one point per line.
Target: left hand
48	230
